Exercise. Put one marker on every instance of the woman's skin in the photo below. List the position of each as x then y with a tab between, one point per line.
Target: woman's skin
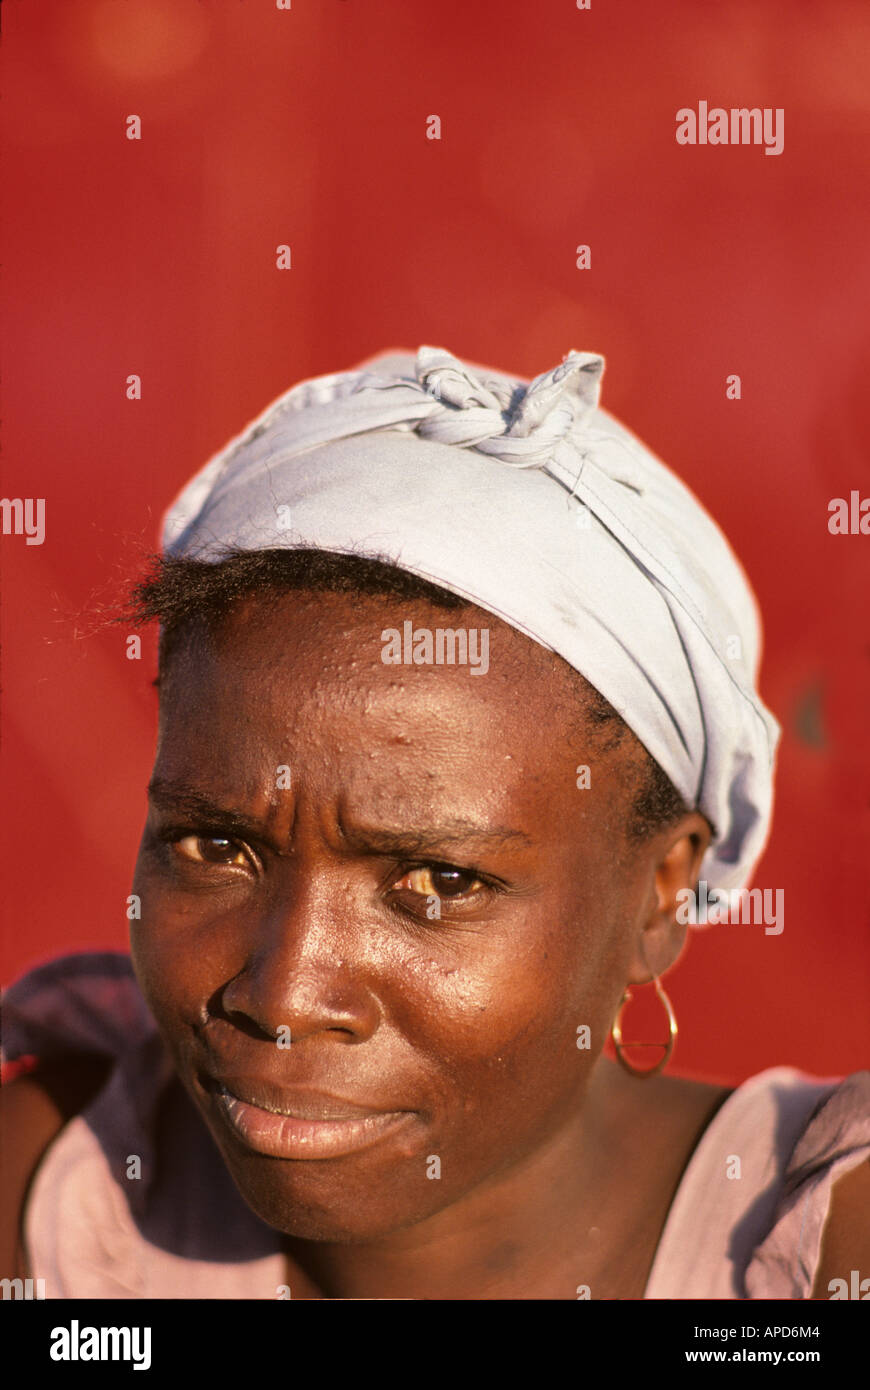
557	1169
267	908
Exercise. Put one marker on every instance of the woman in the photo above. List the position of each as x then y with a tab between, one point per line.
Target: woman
458	719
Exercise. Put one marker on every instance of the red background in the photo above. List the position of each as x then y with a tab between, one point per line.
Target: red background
307	126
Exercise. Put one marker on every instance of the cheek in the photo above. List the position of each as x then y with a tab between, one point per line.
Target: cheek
177	971
549	1020
499	1025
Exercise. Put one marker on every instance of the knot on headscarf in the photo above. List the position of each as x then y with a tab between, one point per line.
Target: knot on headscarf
517	423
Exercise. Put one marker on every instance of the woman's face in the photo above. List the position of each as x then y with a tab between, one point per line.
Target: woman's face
313	810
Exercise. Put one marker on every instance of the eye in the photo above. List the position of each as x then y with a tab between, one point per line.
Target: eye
211	849
441	881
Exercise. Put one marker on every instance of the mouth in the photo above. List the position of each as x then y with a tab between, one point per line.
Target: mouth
300	1124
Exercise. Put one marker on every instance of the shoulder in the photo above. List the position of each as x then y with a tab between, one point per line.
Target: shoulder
770	1175
85	1002
72	1019
33	1110
844	1261
819	1231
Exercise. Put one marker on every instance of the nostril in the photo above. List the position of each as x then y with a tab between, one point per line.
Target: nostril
248	1025
236	1002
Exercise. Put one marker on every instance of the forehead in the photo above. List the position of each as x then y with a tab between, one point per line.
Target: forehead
306	673
270	641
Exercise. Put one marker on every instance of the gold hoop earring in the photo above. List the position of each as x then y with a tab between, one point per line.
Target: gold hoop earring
616	1035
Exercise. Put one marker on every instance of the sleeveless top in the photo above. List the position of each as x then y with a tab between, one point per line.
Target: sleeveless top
121	1207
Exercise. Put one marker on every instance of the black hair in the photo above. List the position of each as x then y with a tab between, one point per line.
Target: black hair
178	591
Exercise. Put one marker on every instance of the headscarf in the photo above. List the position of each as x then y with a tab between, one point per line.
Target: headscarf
530	501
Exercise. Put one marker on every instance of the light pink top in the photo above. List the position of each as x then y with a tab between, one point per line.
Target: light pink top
746	1221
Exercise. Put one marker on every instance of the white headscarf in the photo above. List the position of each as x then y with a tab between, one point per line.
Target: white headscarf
536	505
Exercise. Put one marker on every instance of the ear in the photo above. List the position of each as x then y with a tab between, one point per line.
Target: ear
677	856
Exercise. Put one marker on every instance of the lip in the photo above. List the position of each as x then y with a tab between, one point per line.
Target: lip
299	1124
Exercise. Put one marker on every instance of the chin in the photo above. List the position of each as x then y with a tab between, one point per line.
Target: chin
326	1201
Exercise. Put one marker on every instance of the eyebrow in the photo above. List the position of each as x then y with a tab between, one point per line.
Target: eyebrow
187	801
191	804
467	834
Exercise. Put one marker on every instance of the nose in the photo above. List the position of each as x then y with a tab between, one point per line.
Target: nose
306	971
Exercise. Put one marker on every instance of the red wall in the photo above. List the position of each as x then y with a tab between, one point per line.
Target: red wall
262	126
